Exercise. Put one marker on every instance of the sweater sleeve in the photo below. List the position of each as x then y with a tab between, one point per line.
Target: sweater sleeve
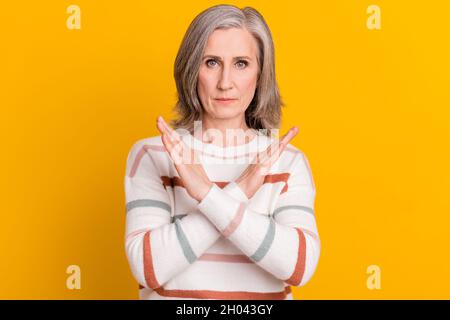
285	243
157	248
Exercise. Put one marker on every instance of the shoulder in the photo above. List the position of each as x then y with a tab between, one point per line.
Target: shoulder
295	161
149	146
290	153
300	165
150	141
297	153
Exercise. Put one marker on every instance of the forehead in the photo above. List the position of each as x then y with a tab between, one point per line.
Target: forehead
231	42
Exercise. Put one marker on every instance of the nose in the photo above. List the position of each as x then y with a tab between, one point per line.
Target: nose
225	82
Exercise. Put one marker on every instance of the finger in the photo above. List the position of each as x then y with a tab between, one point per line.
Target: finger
269	151
172	134
283	142
288	137
274	146
177	149
167	143
171	148
177	154
162	127
183	152
262	156
168	129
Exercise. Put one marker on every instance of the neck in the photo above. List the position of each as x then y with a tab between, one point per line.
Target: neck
224	132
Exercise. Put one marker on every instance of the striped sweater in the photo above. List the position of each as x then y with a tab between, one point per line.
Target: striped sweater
226	246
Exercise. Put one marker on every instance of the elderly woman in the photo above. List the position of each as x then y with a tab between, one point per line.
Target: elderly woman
204	222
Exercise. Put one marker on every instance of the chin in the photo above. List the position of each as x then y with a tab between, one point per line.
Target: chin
226	114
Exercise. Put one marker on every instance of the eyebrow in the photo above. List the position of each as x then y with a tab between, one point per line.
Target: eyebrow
220	59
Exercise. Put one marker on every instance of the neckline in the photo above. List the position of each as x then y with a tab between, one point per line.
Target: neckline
251	146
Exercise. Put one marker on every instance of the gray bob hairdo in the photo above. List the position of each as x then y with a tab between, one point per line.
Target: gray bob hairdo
264	111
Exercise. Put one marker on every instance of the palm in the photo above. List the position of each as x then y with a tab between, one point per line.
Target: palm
186	162
253	176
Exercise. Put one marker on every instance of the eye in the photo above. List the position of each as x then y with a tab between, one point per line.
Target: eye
242	64
210	60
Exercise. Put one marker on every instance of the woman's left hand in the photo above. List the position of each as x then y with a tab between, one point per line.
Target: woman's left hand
186	162
253	176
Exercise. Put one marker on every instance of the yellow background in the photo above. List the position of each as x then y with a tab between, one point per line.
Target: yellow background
372	107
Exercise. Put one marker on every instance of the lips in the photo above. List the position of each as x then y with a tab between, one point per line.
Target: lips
226	101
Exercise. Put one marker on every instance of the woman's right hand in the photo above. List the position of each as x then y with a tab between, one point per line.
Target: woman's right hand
186	162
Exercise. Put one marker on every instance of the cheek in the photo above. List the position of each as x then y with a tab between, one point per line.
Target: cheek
248	84
201	84
205	81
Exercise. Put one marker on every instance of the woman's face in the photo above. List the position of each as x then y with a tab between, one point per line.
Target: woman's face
229	70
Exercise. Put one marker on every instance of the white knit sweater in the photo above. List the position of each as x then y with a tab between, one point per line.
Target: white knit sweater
226	246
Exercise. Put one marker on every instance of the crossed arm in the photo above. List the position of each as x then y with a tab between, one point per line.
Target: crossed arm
285	244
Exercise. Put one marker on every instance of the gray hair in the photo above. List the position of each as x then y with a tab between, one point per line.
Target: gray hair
264	111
